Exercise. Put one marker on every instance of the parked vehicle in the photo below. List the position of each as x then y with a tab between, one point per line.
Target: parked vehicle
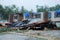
37	24
11	24
23	24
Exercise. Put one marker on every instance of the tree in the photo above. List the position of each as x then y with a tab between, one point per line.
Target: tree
1	9
57	7
23	10
41	8
45	8
7	10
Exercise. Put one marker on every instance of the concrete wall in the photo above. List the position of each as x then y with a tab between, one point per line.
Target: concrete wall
15	19
41	15
53	18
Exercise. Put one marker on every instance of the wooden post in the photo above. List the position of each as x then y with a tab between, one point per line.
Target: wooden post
45	16
11	18
20	17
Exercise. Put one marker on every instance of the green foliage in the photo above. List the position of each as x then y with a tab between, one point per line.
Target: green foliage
6	10
44	9
4	30
23	10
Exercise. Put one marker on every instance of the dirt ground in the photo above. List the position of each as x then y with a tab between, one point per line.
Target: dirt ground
46	34
50	34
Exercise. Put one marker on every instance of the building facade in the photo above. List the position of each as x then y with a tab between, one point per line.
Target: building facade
55	16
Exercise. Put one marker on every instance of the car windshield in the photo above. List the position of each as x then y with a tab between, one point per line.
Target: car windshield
34	21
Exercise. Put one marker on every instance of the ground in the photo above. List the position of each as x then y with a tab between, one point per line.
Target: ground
31	35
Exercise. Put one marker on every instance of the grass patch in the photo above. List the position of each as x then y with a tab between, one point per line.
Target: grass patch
4	29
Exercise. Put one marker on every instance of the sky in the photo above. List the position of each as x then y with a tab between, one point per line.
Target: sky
30	4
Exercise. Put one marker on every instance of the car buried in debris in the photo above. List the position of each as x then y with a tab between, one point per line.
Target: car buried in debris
37	24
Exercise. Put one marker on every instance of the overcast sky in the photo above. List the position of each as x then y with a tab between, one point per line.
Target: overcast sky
30	4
